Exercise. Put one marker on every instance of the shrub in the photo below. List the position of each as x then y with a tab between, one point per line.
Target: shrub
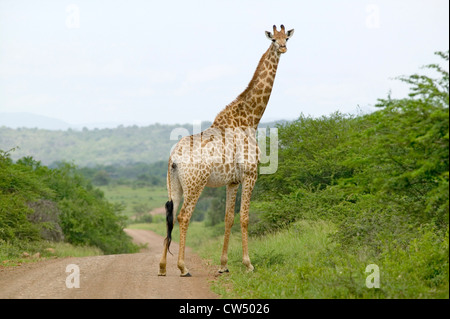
37	202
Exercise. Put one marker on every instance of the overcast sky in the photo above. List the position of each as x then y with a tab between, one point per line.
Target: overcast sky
141	62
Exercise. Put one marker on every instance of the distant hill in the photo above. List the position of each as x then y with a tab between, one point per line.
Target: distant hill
88	148
29	120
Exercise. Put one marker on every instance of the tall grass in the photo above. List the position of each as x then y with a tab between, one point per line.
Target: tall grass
304	262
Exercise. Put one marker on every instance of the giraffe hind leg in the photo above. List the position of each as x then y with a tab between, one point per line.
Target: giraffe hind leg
184	217
171	210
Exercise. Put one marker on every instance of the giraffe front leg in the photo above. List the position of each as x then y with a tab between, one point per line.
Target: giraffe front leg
247	189
244	231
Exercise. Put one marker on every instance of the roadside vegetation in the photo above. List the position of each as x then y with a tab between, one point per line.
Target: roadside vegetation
39	205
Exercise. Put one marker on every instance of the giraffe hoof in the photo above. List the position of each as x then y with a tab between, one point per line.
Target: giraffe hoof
186	275
223	271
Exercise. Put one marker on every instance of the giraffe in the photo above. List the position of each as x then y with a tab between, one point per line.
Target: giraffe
226	153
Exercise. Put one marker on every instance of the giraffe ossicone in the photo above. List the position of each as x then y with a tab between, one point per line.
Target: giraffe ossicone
226	153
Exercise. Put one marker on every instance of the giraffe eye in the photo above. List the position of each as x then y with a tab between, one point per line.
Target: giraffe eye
273	40
287	39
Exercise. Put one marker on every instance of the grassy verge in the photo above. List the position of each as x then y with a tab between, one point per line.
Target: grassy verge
304	261
14	254
285	264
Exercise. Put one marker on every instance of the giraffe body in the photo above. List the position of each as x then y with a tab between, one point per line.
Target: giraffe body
224	154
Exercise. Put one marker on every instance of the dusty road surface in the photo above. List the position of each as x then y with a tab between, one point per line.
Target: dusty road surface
111	276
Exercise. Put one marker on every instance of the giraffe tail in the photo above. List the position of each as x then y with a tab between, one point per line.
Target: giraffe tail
169	222
169	210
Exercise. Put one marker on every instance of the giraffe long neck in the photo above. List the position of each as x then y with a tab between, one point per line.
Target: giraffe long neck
249	106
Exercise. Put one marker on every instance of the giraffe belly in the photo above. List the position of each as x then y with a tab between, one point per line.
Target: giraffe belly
223	175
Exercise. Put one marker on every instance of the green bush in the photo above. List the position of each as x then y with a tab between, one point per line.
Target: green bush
17	189
37	202
86	217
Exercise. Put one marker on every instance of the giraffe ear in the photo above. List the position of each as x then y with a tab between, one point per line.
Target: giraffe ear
269	35
290	33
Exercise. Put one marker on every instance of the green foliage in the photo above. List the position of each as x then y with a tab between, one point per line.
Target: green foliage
211	206
101	178
423	263
87	218
135	174
37	202
213	203
17	189
310	154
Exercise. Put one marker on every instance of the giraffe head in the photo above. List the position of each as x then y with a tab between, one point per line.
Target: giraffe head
279	38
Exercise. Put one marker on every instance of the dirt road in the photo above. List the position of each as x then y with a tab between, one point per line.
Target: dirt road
112	276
